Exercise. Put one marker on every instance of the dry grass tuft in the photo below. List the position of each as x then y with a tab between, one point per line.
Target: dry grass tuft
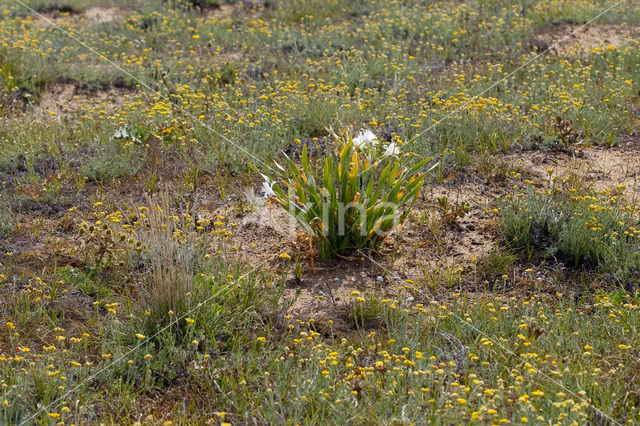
172	255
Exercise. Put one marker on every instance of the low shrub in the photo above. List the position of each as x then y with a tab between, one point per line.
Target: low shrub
579	225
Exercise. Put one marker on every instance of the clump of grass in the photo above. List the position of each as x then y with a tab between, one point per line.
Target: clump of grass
172	250
188	289
578	225
451	212
442	275
111	161
87	280
495	263
365	311
108	241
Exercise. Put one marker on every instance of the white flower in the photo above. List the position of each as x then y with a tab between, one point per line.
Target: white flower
267	187
364	138
124	133
392	149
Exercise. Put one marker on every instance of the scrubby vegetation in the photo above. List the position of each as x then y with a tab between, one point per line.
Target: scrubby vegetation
146	279
580	226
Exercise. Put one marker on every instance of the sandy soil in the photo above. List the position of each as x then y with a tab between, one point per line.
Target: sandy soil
575	39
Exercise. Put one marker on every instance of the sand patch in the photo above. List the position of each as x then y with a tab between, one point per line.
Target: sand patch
65	99
568	39
600	166
65	17
101	15
221	11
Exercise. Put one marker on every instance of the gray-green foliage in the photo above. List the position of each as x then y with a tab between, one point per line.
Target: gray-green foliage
582	227
7	220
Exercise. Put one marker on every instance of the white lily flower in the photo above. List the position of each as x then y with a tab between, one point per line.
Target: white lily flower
365	138
392	150
267	188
